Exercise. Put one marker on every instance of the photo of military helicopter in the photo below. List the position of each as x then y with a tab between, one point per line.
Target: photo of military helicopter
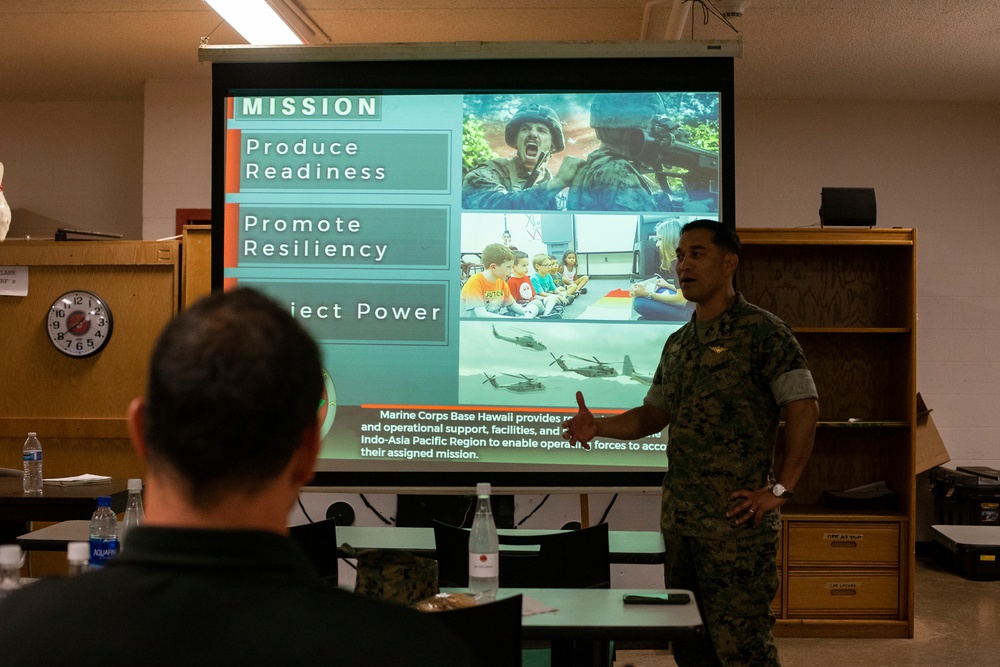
628	370
600	369
526	340
527	383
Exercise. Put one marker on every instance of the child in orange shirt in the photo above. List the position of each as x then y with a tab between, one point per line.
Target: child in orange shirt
486	294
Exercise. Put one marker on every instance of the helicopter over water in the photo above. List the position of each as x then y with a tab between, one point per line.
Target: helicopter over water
525	340
599	369
527	384
629	370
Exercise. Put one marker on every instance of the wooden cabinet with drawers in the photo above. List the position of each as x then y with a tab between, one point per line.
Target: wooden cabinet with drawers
850	297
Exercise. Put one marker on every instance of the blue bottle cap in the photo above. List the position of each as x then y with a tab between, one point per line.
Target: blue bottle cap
104	501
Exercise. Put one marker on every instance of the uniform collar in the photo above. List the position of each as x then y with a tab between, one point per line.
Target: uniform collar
722	326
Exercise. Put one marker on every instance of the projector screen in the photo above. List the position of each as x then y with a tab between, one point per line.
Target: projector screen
369	192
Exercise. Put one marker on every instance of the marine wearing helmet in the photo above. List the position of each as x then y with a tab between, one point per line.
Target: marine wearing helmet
536	113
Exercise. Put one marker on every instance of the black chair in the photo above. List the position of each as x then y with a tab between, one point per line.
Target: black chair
319	542
11	530
568	559
493	631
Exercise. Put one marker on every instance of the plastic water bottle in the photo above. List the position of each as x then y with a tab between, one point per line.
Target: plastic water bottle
484	549
133	510
78	557
103	534
31	454
10	569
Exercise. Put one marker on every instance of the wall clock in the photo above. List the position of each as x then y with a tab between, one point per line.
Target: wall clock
79	324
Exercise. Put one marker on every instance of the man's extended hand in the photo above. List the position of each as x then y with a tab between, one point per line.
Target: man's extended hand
582	427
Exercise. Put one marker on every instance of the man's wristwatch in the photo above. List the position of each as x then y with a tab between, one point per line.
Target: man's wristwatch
780	491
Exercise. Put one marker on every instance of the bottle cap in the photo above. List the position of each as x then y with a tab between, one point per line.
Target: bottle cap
10	555
135	485
31	434
78	552
104	501
483	489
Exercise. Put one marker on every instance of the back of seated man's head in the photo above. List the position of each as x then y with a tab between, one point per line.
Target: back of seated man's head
234	381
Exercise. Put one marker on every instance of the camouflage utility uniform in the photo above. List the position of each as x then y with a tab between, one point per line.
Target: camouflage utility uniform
610	182
499	185
723	383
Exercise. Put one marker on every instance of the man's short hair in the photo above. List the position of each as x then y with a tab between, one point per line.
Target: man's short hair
497	253
234	382
519	255
722	235
540	258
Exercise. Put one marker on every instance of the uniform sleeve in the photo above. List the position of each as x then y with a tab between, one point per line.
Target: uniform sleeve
783	363
486	188
660	392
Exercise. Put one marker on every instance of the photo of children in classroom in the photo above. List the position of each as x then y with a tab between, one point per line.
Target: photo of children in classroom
571	266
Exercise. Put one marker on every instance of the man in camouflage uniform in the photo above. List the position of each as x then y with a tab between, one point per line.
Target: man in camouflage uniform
523	182
610	180
722	382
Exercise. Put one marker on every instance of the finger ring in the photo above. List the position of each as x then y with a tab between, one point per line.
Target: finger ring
751	510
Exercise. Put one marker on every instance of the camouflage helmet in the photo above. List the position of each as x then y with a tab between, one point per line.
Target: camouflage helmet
624	110
537	113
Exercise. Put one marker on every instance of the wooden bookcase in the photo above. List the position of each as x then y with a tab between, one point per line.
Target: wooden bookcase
850	297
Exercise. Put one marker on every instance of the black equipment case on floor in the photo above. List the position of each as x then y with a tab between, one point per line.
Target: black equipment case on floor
972	550
965	498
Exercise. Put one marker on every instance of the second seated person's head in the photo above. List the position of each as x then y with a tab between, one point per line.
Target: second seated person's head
234	384
520	263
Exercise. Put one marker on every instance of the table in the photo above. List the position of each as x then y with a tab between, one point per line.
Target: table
626	546
58	503
588	618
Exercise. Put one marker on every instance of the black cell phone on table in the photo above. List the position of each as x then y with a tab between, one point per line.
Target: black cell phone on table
657	598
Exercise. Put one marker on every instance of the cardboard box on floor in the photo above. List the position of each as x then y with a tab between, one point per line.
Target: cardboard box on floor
930	449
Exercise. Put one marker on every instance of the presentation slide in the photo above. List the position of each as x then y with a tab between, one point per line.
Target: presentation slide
467	263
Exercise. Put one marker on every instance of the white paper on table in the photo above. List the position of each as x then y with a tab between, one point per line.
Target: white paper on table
78	480
531	606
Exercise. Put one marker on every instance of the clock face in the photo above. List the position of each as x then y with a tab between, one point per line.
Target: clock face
79	324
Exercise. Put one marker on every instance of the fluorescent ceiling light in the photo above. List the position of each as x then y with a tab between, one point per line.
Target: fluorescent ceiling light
256	20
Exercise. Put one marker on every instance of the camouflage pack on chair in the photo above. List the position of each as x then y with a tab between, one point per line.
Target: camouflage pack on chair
395	576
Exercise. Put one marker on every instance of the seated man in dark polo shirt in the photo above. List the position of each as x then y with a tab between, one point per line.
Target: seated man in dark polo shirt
228	432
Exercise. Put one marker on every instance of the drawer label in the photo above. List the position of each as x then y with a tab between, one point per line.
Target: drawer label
842	585
843	536
987	557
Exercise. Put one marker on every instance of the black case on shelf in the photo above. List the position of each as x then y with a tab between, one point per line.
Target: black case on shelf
964	499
